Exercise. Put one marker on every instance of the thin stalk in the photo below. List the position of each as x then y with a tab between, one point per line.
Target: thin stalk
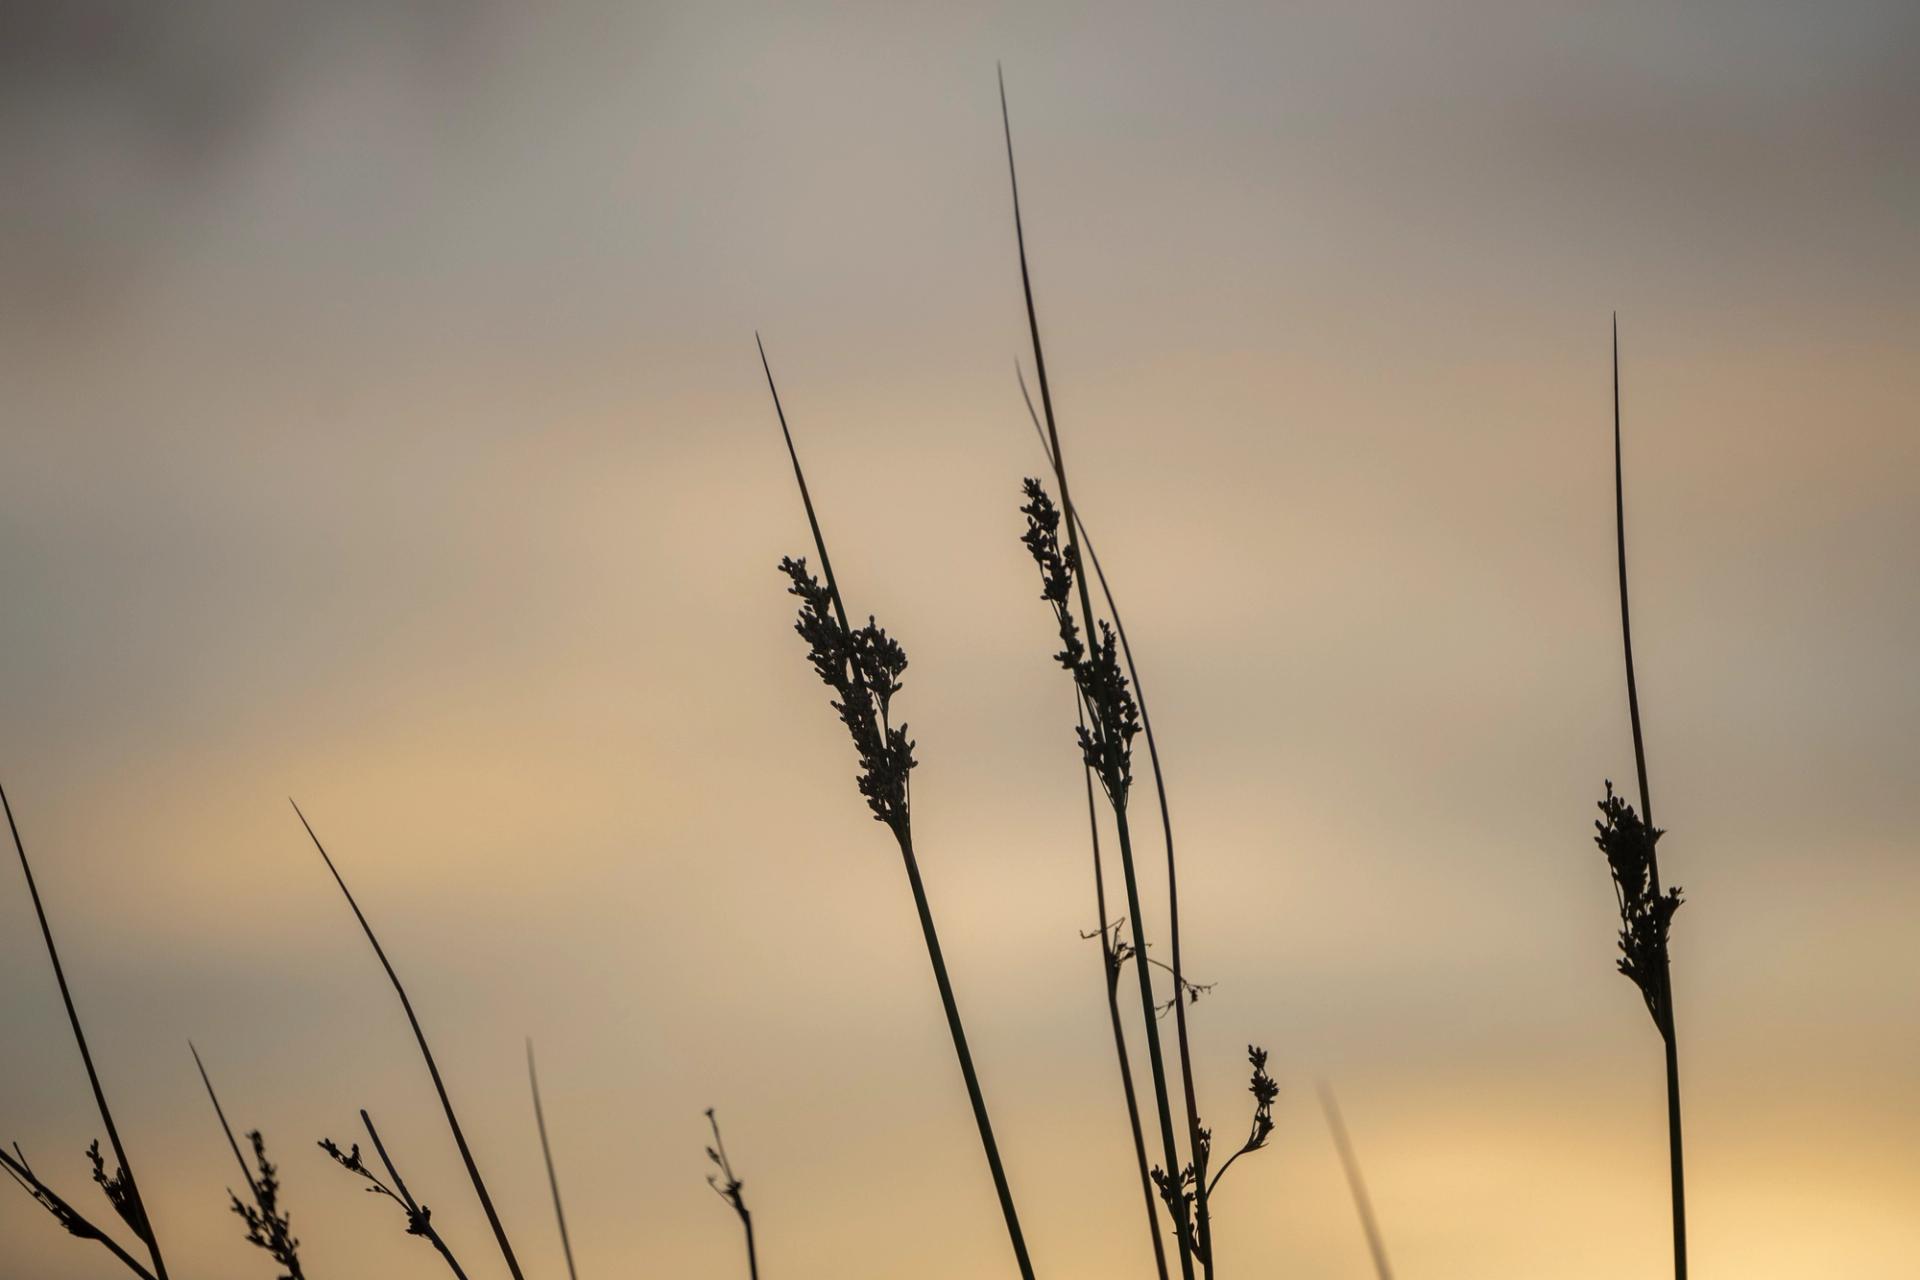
1676	1164
904	836
64	1213
1078	527
965	1055
148	1237
433	1069
546	1151
225	1128
1154	1056
1362	1204
731	1192
1110	981
418	1215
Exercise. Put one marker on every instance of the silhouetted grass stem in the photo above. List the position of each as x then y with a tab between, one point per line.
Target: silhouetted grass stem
1110	983
1155	1058
1077	530
1676	1161
75	1222
900	825
433	1069
148	1237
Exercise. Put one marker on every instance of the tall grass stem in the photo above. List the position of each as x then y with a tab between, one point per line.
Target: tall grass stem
1155	1058
903	835
1676	1163
149	1237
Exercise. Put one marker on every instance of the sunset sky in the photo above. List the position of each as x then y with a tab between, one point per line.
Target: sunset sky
382	428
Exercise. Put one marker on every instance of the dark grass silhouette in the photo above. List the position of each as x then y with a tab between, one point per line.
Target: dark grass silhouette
1114	951
1264	1091
1350	1164
729	1188
1107	743
1106	749
863	667
433	1069
1111	963
268	1227
546	1153
1628	840
1085	540
71	1219
419	1217
121	1190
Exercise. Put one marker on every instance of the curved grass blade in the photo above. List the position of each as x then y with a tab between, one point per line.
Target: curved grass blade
1155	1058
1675	1159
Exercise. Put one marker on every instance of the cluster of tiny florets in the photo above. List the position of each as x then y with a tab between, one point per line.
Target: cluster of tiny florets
1106	741
1646	913
119	1191
863	666
267	1226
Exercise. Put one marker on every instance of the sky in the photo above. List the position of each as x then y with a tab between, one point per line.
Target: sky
383	429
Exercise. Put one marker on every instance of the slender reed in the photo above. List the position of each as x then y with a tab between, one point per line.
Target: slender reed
76	1223
863	666
1111	961
1192	990
728	1188
267	1227
546	1152
121	1189
1112	741
1628	840
1105	734
419	1217
1362	1203
433	1070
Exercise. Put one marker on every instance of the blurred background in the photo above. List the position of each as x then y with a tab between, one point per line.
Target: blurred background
383	428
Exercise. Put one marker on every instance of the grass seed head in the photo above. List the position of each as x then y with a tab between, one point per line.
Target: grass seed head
1646	913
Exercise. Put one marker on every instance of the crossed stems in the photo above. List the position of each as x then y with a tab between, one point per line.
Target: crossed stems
75	1222
1118	951
1105	735
1193	1182
1051	443
121	1189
